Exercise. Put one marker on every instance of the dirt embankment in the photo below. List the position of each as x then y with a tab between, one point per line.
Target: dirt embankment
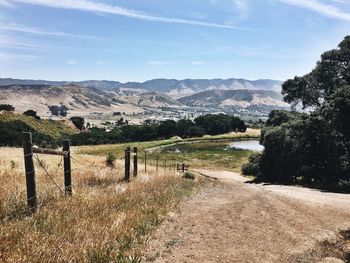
231	221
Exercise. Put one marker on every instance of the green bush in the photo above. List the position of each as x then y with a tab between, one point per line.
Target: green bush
189	175
110	159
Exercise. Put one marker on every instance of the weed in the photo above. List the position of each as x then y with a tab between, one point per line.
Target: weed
110	159
189	175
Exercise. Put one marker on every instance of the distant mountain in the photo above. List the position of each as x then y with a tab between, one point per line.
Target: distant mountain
181	88
105	97
80	100
174	88
151	99
226	99
9	82
104	85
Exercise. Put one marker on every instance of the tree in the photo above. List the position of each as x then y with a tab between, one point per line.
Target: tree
31	113
330	73
214	124
313	148
167	129
183	127
78	122
6	107
58	110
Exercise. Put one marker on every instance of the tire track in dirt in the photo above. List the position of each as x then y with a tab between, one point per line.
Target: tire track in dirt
230	221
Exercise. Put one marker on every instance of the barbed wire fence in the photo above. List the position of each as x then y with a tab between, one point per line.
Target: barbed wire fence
155	162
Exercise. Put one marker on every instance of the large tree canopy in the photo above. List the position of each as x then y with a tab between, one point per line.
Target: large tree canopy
330	73
310	148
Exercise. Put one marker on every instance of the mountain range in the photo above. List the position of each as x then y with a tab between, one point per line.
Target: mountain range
94	96
173	87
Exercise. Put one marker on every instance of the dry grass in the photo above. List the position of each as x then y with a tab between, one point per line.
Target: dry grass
106	220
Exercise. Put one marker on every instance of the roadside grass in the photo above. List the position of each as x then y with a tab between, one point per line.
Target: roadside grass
106	220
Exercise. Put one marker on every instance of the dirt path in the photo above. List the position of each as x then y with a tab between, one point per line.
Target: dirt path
231	221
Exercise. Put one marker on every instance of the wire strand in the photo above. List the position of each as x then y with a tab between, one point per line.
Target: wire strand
47	173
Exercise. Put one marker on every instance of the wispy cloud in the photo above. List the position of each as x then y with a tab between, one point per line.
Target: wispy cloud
160	62
5	3
71	62
317	6
99	7
25	29
9	58
242	7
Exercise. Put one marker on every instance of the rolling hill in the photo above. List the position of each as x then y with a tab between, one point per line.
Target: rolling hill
98	98
80	100
172	87
234	98
44	131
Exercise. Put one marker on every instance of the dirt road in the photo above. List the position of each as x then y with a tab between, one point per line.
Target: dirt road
232	221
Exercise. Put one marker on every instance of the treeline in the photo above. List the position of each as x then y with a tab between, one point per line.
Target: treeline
11	135
11	130
312	149
185	128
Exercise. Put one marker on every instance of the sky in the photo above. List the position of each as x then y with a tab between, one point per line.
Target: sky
138	40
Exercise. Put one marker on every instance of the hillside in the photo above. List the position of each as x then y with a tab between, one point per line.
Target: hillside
151	99
175	88
12	125
180	88
80	100
234	98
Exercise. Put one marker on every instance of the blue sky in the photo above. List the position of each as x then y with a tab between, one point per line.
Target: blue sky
137	40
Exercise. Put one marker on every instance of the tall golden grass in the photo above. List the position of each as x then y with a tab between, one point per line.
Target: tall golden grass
106	220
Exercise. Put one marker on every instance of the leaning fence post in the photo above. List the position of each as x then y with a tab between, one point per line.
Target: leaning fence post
135	161
67	168
127	164
29	170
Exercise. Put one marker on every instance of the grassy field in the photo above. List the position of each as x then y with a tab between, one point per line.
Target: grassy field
203	152
207	155
106	219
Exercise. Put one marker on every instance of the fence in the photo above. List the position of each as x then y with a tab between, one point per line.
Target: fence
29	151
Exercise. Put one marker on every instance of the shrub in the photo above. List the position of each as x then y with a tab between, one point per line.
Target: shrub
189	175
252	167
6	107
110	159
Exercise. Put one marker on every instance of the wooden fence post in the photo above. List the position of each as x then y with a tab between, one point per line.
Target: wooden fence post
67	168
135	161
127	164
145	161
183	168
157	163
30	172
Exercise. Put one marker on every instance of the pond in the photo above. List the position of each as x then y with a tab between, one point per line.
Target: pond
252	145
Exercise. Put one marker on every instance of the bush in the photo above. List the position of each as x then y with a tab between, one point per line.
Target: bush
6	107
110	159
189	175
31	113
78	122
252	167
